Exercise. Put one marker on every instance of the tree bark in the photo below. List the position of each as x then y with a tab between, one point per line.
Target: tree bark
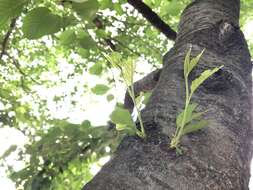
215	158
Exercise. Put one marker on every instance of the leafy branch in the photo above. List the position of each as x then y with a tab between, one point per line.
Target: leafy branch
188	121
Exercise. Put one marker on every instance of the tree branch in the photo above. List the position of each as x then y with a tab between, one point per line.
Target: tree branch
7	36
153	18
17	66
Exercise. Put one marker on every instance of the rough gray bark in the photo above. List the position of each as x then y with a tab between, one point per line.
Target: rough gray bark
216	158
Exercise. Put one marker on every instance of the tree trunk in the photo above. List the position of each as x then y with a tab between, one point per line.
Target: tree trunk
215	158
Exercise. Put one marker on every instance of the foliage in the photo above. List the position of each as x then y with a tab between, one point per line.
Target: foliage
188	121
53	67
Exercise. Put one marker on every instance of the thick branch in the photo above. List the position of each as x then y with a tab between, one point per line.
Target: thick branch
153	18
7	36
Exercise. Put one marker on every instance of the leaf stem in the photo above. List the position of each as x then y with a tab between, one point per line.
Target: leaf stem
131	93
179	131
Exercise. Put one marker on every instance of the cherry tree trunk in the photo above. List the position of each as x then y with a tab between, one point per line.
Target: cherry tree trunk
215	158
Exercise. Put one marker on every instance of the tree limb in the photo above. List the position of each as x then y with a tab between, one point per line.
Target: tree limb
7	36
153	18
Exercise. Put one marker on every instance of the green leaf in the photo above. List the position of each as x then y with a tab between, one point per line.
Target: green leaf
194	62
85	40
83	52
127	70
143	98
147	96
179	151
106	4
109	97
39	22
198	115
67	37
205	75
195	127
175	8
96	69
11	149
117	7
10	9
127	67
100	89
87	9
189	117
129	129
122	116
86	124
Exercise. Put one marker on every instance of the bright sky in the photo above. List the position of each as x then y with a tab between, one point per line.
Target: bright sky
97	105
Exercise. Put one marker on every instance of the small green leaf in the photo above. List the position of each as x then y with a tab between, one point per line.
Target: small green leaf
117	7
147	96
179	151
69	21
115	59
205	75
85	40
67	37
174	8
122	116
128	69
109	97
87	9
198	115
96	69
100	89
106	4
11	149
86	124
129	129
195	127
143	98
39	22
194	62
83	52
189	117
101	33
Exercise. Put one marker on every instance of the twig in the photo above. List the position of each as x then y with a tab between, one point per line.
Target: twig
128	48
17	65
7	36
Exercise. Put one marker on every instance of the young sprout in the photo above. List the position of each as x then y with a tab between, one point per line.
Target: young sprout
188	120
121	116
